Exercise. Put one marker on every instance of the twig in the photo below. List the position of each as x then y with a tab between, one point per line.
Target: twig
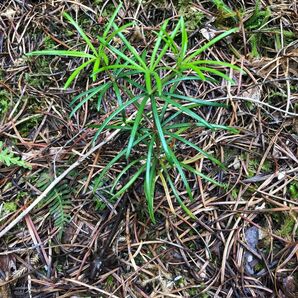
90	287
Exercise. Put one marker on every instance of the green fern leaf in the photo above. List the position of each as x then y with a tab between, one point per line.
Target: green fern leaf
58	202
8	158
60	208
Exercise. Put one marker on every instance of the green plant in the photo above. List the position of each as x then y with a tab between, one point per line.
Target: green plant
225	10
58	201
8	158
4	102
192	15
149	81
98	56
287	227
256	21
9	207
293	190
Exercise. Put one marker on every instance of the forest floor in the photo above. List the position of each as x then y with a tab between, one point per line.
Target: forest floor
75	241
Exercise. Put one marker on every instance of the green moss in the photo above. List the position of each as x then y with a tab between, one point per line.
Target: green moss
9	207
259	267
21	195
26	127
4	102
195	292
34	81
235	193
254	41
286	229
294	88
253	165
40	67
192	292
110	281
267	166
192	246
49	43
275	97
259	17
224	10
293	190
193	17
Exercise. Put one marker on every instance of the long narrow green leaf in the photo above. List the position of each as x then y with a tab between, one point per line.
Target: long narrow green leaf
148	82
115	66
184	78
102	93
195	100
121	127
217	72
189	112
102	56
116	112
88	91
163	111
188	124
184	40
195	68
165	107
129	183
136	125
61	53
158	82
170	41
194	146
81	32
122	55
183	177
109	165
95	68
174	115
159	129
125	170
90	95
119	99
150	180
219	63
130	48
186	210
166	46
191	169
134	83
210	43
111	20
157	43
120	29
184	125
77	71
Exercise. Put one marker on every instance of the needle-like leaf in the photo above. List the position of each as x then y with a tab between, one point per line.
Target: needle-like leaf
81	32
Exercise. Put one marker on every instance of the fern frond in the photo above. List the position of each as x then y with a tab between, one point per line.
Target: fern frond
58	202
60	208
8	158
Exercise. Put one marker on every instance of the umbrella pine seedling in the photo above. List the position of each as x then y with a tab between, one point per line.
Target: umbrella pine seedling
148	81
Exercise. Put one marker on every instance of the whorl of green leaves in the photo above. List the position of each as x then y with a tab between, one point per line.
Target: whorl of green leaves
159	105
